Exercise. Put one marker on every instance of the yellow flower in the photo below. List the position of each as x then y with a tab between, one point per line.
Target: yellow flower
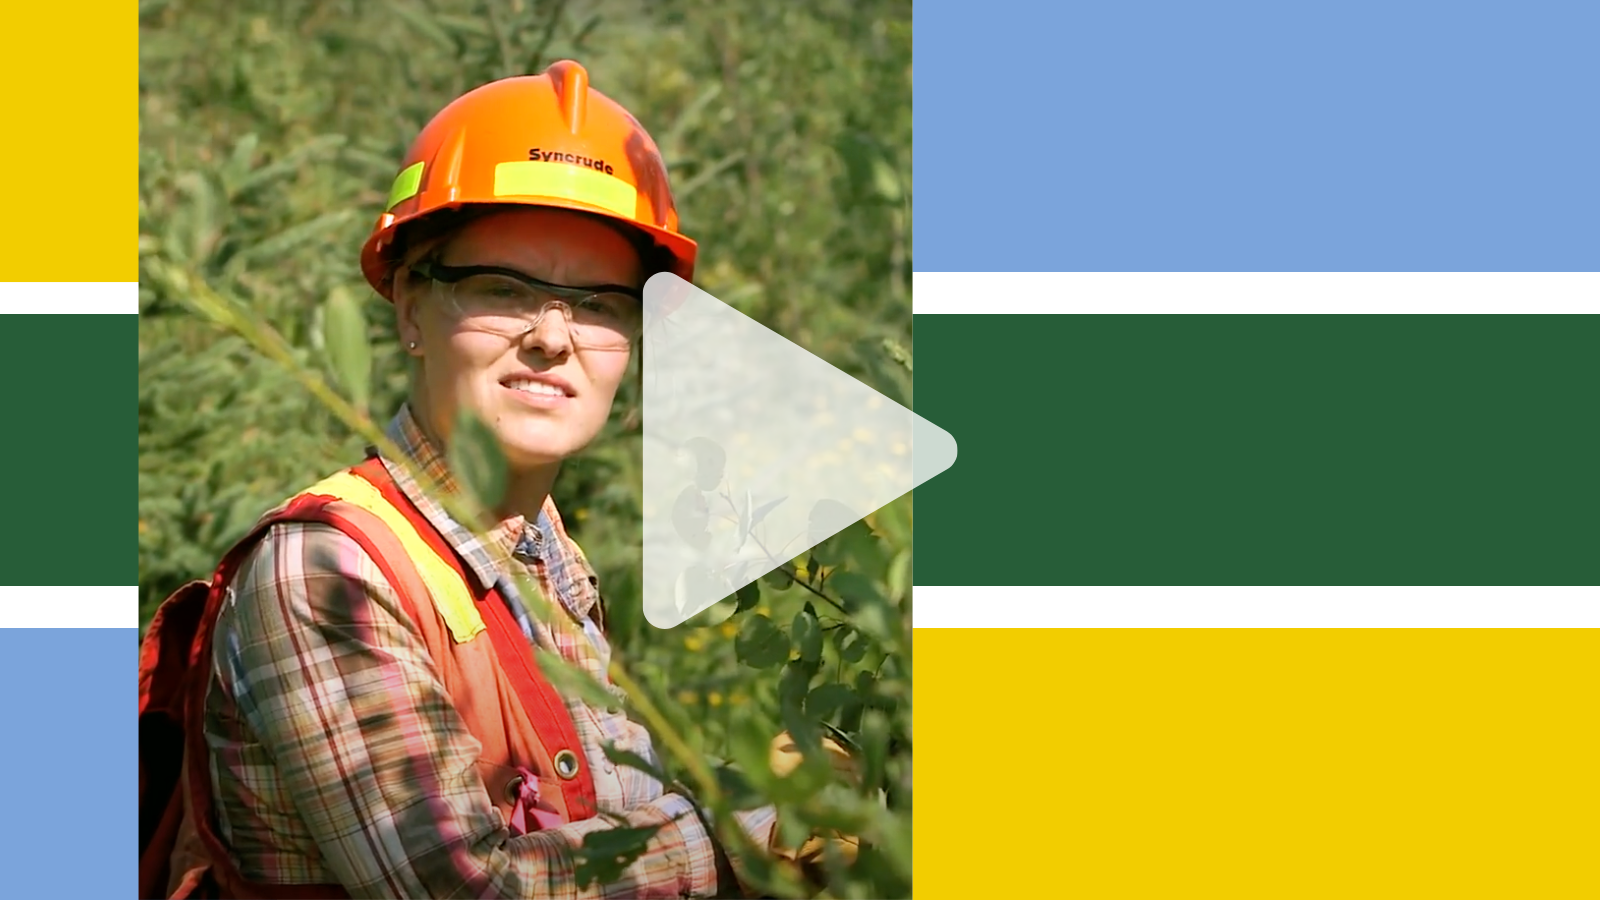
694	643
686	697
581	514
729	629
714	698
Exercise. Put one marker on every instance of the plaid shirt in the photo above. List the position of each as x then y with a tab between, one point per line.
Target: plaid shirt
336	755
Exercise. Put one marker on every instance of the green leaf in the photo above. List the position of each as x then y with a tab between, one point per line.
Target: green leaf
633	761
736	786
852	644
750	746
885	180
828	517
855	590
900	576
828	699
477	460
349	353
745	522
239	162
778	580
875	746
862	549
897	352
690	515
807	634
569	679
761	511
713	615
748	596
607	853
796	681
761	644
877	621
710	462
206	214
699	580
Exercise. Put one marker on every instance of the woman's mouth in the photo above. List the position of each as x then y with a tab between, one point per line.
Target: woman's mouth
537	393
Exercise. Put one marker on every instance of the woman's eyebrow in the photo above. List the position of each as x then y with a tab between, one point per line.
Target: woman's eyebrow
585	283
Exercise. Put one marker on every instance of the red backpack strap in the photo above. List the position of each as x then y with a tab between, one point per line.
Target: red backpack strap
221	877
546	709
164	655
175	673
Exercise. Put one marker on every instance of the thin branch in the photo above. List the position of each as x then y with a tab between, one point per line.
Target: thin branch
507	66
199	295
549	35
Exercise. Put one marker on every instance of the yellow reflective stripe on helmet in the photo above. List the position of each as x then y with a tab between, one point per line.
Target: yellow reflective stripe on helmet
405	185
450	594
563	181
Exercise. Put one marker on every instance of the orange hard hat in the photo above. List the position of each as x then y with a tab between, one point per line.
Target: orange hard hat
538	140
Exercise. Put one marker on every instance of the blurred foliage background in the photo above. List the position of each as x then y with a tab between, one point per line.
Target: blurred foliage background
270	133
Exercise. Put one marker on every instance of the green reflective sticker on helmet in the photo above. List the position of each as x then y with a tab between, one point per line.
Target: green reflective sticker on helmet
405	185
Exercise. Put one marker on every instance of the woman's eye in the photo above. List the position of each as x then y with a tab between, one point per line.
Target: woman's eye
493	289
608	305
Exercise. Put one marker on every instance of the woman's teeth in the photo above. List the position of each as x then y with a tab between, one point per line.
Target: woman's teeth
536	387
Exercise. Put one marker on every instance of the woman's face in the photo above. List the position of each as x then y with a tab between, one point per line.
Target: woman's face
489	374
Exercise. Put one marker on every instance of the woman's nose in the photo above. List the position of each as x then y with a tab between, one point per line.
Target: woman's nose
550	333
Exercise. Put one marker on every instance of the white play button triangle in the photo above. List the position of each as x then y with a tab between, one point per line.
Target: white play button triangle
755	450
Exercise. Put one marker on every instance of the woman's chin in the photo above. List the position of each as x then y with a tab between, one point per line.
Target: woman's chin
524	451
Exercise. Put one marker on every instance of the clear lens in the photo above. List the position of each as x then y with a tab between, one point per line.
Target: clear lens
509	307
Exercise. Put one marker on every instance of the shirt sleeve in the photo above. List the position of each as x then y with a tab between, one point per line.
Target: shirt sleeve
334	680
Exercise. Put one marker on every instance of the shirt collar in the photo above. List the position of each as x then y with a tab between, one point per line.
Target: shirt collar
544	540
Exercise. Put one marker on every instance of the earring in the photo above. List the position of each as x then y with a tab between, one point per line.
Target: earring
412	345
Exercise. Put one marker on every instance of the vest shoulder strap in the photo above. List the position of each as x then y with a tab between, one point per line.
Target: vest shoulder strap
445	585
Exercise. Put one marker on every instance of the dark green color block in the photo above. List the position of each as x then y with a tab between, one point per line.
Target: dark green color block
1262	450
72	497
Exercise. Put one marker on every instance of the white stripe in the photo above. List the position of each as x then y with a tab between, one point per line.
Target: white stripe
1255	292
1256	607
94	297
69	607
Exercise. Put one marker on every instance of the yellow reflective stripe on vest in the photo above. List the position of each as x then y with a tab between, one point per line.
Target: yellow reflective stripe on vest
450	594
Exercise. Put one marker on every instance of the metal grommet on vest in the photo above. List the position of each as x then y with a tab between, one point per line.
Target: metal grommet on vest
514	789
566	765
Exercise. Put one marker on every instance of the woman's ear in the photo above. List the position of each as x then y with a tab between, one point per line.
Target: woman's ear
406	313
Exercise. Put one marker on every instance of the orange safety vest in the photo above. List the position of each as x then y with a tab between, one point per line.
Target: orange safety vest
532	763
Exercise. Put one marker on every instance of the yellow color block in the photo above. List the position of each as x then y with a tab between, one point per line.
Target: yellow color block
71	150
1257	763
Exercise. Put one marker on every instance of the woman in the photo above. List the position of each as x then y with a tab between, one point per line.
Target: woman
369	720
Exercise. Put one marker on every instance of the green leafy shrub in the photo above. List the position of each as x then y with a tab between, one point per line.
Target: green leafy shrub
270	131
